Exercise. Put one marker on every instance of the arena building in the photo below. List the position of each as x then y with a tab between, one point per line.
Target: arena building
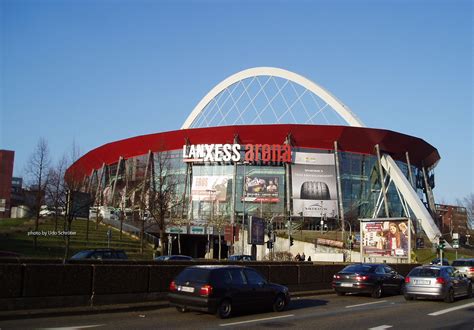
266	143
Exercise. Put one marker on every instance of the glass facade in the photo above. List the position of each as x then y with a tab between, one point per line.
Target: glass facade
201	193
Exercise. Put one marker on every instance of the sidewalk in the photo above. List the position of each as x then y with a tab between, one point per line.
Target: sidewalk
64	311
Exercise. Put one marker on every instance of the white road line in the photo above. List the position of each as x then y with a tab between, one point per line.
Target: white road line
72	327
381	327
257	320
370	303
444	311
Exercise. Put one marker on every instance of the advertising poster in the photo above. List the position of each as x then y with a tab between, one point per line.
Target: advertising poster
314	185
383	238
209	188
262	187
257	231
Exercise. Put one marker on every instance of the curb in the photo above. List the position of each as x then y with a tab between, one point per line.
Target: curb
82	310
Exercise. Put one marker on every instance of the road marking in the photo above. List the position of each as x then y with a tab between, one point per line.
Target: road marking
257	320
381	327
75	327
444	311
370	303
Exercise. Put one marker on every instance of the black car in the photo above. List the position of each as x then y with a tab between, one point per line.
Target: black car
375	279
224	289
173	258
100	254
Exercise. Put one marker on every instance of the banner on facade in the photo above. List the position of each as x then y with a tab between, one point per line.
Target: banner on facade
385	237
256	231
262	186
314	185
209	188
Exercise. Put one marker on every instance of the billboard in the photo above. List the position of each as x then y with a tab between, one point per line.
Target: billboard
385	237
262	187
209	188
314	185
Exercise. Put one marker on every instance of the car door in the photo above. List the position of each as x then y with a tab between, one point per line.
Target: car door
261	293
457	282
239	291
392	279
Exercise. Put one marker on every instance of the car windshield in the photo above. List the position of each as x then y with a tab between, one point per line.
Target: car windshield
194	275
424	272
358	269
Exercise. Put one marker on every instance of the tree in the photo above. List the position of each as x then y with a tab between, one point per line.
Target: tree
162	192
37	171
468	203
56	190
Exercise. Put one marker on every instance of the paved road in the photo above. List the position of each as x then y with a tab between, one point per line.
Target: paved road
317	312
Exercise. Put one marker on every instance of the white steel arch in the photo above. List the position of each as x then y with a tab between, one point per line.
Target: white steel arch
326	96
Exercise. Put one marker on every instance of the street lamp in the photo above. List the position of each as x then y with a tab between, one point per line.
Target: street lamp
211	213
244	195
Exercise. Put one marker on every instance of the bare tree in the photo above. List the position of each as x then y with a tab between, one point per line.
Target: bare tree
56	190
468	203
37	170
163	193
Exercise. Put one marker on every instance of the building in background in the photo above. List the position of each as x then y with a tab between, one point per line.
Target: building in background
253	147
6	172
453	219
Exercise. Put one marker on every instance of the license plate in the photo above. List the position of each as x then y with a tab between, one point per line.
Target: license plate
422	282
346	284
186	288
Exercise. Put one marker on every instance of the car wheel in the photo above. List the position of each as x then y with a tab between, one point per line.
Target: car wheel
339	293
469	291
407	297
279	303
401	289
224	310
449	296
377	293
181	309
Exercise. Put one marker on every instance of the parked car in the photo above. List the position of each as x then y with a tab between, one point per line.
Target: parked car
375	279
224	289
100	254
438	262
436	282
173	257
241	257
465	267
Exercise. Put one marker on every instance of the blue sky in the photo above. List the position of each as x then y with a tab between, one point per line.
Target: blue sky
99	71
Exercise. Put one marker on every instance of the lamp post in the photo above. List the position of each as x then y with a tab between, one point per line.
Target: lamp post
211	219
244	194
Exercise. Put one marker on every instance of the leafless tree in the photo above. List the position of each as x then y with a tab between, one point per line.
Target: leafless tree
468	203
37	171
163	193
56	190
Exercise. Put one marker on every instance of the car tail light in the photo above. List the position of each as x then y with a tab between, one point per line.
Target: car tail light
407	279
362	278
440	280
205	290
471	269
172	286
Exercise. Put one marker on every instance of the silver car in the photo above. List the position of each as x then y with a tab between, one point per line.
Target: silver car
465	266
436	282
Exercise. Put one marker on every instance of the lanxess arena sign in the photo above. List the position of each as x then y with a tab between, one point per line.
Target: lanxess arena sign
233	153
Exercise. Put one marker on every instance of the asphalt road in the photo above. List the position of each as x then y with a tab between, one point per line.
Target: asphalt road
317	312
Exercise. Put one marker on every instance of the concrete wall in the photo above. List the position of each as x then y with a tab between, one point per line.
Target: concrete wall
28	284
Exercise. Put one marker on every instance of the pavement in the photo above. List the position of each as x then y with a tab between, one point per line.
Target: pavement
139	306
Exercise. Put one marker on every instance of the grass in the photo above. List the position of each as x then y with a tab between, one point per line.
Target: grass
14	237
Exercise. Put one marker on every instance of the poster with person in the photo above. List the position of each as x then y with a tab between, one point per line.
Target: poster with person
260	187
314	185
385	237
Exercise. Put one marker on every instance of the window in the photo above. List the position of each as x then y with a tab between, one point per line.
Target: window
380	270
237	277
253	277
